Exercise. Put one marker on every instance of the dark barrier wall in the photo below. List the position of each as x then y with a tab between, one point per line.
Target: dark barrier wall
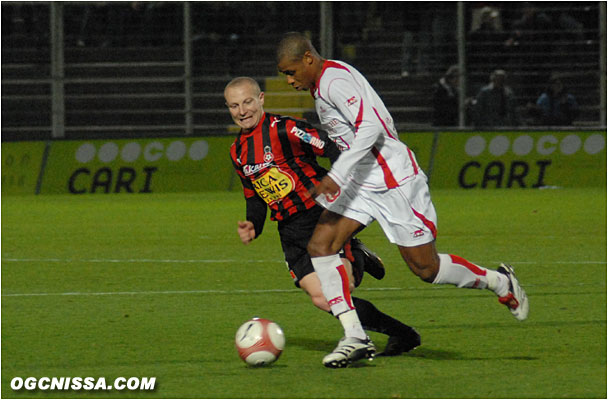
468	160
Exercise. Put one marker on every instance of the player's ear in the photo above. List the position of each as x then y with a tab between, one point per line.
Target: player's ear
261	98
308	58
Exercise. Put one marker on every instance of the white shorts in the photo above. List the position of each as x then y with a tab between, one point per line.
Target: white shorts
406	214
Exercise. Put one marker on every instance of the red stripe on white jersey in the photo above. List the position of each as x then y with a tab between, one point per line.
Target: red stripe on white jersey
333	64
469	265
359	119
389	179
409	152
383	124
429	224
327	64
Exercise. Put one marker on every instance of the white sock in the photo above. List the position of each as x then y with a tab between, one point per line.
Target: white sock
335	287
352	325
457	271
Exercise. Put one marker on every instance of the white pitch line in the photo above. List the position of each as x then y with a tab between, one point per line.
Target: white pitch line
210	261
135	260
550	262
234	291
257	291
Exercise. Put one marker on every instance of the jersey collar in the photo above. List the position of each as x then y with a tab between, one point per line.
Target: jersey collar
326	64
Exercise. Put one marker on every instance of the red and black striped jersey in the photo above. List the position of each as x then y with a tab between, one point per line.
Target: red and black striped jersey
277	163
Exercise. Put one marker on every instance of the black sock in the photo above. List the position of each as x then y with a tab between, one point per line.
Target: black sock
375	320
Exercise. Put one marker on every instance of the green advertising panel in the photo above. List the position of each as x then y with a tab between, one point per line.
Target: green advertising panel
21	163
138	166
520	159
451	159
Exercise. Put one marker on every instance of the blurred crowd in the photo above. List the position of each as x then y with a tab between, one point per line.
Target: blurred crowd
536	40
503	39
495	104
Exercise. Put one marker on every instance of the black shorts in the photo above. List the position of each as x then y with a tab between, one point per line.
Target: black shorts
295	233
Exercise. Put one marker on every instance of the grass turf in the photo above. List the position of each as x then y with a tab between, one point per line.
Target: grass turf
156	286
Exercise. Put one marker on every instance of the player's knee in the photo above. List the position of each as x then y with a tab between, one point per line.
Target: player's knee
427	275
317	248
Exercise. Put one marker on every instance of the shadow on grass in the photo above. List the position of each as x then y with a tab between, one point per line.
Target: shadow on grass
437	354
324	346
309	343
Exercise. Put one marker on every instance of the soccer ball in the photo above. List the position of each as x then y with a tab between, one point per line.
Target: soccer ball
259	341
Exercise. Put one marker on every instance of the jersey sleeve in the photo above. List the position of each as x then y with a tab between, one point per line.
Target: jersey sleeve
346	96
255	209
330	151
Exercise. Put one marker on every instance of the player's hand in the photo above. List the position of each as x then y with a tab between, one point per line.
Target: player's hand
327	186
246	231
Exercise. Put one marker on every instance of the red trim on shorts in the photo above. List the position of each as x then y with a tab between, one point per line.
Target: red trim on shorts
472	267
345	286
429	224
389	179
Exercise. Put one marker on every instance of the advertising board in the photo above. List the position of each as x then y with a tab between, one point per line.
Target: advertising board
467	160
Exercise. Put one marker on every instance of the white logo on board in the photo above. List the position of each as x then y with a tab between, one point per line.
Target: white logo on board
152	151
525	144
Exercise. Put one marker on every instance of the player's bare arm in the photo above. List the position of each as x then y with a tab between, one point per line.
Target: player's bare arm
326	186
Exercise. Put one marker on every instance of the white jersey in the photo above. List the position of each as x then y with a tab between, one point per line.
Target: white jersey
357	120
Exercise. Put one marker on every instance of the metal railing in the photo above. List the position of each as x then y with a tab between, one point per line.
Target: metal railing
99	69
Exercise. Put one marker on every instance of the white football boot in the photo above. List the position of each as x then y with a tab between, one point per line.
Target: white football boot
350	349
516	300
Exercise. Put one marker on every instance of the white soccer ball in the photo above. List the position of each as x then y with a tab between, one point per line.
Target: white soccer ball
259	341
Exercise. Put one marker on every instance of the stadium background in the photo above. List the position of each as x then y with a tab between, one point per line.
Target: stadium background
113	70
105	97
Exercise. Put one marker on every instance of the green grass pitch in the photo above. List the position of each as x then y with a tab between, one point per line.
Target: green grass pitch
156	286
